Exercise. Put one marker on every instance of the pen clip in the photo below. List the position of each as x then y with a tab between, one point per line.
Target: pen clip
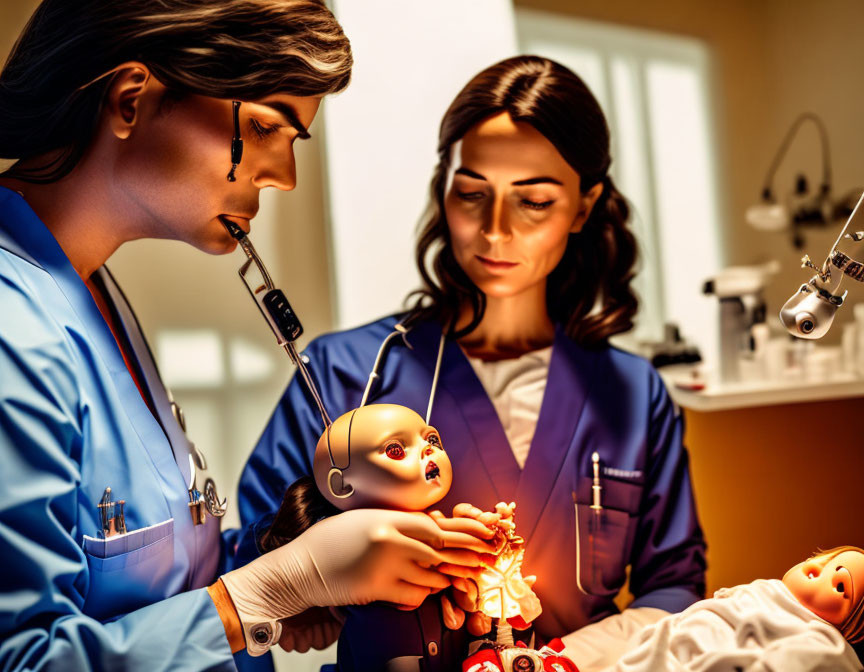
596	488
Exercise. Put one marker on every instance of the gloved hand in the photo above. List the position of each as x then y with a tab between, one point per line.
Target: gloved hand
355	557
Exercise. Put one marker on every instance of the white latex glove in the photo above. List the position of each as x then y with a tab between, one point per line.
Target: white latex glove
355	557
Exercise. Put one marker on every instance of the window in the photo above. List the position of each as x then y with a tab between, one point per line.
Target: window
654	90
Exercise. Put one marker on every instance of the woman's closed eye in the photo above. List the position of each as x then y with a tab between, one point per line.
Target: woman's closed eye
470	196
536	205
263	130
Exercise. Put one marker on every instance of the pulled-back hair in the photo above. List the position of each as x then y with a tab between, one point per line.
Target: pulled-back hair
52	86
589	291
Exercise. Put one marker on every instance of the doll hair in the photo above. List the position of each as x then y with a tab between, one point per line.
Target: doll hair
852	628
302	506
589	291
51	93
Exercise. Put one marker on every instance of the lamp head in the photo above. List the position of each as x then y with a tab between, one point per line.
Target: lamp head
810	311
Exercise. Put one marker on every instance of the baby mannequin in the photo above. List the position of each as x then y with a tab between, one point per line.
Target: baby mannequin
831	585
386	456
807	621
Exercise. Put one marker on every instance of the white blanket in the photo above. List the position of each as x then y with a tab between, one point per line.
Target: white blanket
757	627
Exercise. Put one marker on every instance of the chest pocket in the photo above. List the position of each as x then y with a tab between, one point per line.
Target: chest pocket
130	571
604	537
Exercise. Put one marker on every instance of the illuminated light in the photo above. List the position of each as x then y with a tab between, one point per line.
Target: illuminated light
502	590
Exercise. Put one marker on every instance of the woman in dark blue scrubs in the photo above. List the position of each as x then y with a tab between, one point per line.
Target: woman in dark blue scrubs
527	261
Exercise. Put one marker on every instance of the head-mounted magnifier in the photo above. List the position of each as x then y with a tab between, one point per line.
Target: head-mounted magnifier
810	312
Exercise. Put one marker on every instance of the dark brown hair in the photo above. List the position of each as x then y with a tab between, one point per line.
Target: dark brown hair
52	86
589	291
302	506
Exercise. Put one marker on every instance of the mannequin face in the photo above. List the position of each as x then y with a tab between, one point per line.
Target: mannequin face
396	460
511	202
828	586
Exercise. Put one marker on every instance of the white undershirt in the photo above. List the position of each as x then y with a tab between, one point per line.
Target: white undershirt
516	388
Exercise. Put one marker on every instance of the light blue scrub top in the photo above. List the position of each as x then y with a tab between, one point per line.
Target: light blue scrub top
72	423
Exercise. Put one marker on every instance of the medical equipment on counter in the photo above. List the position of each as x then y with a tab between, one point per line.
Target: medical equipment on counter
275	308
739	289
802	209
810	311
672	350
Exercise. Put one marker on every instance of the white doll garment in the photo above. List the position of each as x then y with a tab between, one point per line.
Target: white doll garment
756	627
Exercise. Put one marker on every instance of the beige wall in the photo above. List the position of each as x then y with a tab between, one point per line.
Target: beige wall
13	16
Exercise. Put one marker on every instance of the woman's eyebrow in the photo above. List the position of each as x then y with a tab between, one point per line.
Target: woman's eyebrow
537	180
470	173
518	183
291	116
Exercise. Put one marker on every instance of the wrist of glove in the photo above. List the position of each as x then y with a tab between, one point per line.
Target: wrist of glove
277	585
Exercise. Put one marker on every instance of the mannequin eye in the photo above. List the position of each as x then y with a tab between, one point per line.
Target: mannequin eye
840	588
394	450
434	440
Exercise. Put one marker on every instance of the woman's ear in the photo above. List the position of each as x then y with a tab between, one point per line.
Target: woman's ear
588	199
123	102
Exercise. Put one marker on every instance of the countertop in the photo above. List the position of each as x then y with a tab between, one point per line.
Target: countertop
751	393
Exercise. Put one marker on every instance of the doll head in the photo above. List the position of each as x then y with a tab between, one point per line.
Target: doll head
831	585
382	455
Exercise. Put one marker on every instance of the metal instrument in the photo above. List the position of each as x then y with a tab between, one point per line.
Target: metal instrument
275	308
111	515
596	488
810	311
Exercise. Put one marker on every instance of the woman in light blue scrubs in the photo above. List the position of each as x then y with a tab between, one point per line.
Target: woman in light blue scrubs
126	120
